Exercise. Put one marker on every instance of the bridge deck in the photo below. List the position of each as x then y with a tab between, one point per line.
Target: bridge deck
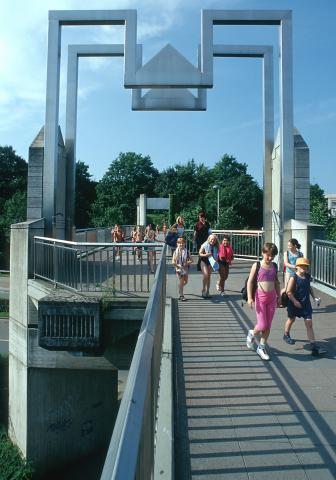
237	417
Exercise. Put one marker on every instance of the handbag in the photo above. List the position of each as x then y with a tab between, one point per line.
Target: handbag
284	296
284	299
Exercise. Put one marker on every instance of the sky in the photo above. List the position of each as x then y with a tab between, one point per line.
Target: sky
232	123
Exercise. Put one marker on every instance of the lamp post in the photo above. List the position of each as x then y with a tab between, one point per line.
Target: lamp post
216	187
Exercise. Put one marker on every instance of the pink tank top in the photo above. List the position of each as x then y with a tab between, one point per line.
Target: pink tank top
266	274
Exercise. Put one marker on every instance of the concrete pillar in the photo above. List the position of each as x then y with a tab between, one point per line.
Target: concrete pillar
62	406
142	209
302	181
35	178
59	221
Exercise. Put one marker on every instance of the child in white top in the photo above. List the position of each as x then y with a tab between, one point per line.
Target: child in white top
181	260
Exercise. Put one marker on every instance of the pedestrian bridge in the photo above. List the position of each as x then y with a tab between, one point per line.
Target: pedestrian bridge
197	403
223	413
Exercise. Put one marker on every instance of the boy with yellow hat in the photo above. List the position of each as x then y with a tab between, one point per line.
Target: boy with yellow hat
299	291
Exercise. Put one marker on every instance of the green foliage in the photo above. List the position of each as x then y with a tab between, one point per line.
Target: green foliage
319	213
189	184
127	177
4	305
240	197
13	176
190	215
318	206
85	195
14	211
12	465
332	230
13	186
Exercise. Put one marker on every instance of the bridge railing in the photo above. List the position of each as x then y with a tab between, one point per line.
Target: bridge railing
245	243
84	266
323	268
100	234
131	451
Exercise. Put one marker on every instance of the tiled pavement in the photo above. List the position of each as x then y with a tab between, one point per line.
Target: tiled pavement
238	417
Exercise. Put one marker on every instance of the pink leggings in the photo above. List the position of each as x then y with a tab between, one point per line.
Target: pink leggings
265	305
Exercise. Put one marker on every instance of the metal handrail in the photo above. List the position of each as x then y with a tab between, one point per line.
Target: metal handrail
323	267
245	243
92	266
131	451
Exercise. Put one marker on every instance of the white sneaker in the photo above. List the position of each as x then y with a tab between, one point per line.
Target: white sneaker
250	339
261	351
117	258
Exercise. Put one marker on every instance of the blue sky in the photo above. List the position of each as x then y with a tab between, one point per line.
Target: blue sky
233	121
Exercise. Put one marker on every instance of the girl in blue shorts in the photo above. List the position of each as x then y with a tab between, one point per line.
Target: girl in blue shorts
299	291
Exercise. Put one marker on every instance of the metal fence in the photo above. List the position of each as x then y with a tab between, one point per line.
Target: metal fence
112	267
131	451
323	268
100	234
245	243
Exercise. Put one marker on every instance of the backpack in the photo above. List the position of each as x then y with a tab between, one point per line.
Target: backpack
255	283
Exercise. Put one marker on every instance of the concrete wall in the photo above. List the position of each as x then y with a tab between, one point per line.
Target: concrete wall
61	405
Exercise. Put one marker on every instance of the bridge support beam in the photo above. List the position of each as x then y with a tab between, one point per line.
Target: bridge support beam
61	405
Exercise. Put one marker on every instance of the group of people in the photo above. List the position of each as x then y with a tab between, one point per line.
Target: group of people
138	235
264	293
212	256
263	286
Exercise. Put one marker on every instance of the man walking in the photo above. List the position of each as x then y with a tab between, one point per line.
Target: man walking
201	233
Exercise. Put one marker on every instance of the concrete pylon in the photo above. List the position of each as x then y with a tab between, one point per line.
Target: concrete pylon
281	233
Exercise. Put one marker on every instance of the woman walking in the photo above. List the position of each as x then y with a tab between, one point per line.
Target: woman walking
208	254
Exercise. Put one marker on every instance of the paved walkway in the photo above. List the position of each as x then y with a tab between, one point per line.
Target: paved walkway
238	417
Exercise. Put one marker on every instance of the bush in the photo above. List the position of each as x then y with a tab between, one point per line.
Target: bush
12	465
4	305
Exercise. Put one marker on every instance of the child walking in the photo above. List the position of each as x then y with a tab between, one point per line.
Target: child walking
225	257
264	277
181	260
299	291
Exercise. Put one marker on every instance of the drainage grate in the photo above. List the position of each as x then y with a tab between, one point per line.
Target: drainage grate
69	326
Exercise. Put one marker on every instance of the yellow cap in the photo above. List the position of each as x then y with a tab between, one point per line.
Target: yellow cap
302	261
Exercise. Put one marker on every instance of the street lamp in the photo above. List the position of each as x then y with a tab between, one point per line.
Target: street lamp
216	187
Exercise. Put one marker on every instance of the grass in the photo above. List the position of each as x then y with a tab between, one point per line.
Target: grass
12	465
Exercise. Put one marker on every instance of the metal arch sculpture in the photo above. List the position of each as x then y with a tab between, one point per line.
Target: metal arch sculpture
180	76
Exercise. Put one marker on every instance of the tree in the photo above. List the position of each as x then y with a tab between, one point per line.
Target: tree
128	176
14	211
85	195
13	176
318	206
13	187
240	197
189	184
